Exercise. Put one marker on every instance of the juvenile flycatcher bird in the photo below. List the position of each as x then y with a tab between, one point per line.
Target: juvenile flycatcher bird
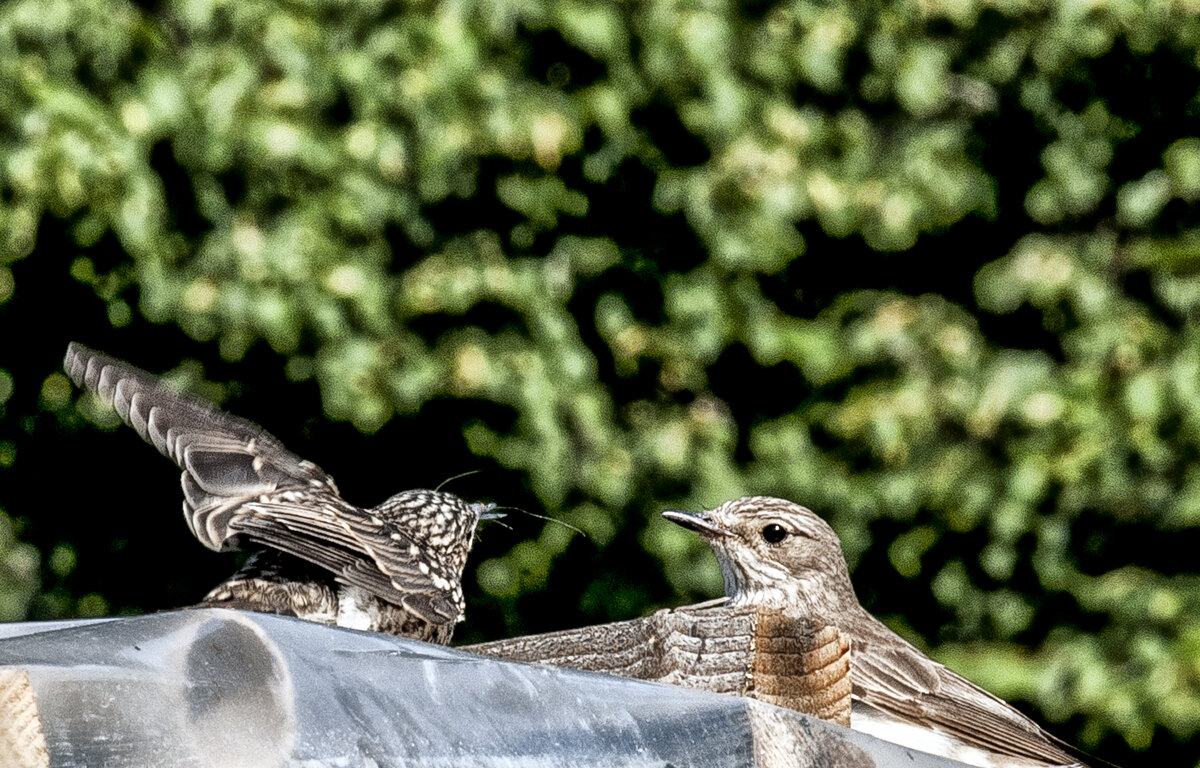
395	568
777	554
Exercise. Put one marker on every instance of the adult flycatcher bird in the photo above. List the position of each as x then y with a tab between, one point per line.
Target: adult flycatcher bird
779	555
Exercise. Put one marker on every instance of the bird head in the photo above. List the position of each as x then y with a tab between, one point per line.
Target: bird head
441	524
774	553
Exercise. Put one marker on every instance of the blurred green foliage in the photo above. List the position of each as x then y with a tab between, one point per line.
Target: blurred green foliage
931	268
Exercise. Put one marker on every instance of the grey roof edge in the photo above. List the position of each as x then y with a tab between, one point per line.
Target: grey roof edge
220	687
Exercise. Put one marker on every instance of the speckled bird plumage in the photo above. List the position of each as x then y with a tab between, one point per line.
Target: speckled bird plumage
395	568
899	694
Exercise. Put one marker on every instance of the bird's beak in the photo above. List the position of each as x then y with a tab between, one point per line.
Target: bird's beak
697	522
488	511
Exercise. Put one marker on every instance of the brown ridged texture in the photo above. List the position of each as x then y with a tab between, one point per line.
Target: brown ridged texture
808	671
741	651
22	743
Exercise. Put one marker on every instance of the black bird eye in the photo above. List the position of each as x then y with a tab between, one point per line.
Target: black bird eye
773	534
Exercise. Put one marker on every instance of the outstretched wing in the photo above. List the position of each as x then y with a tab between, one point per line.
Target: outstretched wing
226	460
900	683
240	482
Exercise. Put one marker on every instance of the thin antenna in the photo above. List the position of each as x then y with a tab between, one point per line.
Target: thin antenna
577	529
456	477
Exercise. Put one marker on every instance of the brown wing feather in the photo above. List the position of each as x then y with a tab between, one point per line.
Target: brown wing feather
348	541
223	457
893	677
174	421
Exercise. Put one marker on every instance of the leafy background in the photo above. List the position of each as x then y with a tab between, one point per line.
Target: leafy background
931	268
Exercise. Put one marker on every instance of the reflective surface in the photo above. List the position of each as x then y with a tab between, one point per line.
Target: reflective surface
225	688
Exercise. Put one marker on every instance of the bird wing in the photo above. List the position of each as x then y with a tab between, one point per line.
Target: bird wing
239	481
223	457
893	677
358	547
